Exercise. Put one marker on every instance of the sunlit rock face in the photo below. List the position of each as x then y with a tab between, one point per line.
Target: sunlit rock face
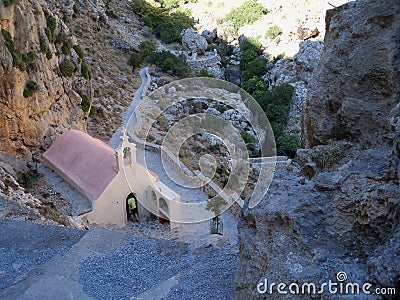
30	122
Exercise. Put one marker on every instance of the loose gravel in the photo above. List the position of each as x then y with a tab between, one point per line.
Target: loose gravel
212	277
144	262
25	245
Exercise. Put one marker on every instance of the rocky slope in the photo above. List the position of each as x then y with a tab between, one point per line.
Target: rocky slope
36	101
107	31
339	210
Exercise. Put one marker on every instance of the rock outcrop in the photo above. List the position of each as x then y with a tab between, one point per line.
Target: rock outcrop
36	101
338	209
356	83
298	73
193	42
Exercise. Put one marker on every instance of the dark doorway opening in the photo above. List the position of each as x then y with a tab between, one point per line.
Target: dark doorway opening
131	214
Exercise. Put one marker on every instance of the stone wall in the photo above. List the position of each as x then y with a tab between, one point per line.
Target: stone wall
211	64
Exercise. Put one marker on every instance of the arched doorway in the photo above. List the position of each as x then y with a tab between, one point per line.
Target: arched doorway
131	214
163	211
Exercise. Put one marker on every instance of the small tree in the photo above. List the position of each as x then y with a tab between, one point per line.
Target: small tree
67	68
216	205
273	32
147	48
135	60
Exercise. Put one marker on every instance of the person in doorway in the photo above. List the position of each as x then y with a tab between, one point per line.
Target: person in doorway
133	209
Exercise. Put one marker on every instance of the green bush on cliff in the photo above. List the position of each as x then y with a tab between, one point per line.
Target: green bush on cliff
85	71
8	2
169	31
51	27
66	47
135	60
15	53
147	48
250	49
169	3
85	103
44	47
79	51
287	144
67	68
30	88
275	105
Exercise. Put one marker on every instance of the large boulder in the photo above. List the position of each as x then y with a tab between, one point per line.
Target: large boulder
193	42
308	58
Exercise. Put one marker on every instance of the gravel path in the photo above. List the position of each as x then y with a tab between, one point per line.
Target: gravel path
143	263
51	262
25	246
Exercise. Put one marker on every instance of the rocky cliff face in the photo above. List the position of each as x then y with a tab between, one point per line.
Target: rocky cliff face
356	84
339	210
37	102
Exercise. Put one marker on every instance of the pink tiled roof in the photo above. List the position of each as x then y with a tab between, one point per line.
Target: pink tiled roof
87	162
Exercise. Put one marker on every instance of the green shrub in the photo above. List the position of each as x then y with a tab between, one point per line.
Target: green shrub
272	32
166	26
85	103
340	130
169	3
135	60
51	27
147	48
49	55
283	93
169	31
250	49
85	71
251	43
275	105
204	73
287	145
247	13
44	47
276	112
327	156
8	2
247	137
28	59
67	68
254	84
14	51
257	66
79	51
66	47
30	88
96	93
171	64
96	111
